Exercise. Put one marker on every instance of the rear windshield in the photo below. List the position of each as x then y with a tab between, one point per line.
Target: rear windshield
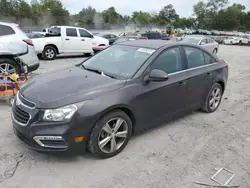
55	30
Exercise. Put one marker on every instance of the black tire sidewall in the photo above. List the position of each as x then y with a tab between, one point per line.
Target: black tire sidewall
207	107
45	49
11	62
215	51
94	135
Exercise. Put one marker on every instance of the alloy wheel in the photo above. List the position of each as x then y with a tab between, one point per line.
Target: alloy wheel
7	69
113	135
49	53
215	98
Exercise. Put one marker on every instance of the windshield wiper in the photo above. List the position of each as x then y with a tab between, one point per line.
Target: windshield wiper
99	72
92	70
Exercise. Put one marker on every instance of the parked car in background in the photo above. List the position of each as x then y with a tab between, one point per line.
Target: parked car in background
14	42
243	40
119	40
220	39
67	39
127	88
205	42
110	37
231	40
155	35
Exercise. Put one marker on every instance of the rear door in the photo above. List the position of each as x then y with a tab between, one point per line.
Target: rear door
200	75
71	41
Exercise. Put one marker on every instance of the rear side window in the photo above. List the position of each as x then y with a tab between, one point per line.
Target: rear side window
71	32
195	57
6	30
208	58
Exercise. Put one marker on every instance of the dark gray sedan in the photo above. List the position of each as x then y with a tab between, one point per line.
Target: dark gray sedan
98	104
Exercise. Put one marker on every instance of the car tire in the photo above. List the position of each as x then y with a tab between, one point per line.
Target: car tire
215	51
49	53
213	99
105	129
11	64
240	43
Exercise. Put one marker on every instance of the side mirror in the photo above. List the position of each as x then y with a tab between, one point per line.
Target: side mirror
157	75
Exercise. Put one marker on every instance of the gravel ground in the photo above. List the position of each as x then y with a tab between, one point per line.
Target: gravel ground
174	155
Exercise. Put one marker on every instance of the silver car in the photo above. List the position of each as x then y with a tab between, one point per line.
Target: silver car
206	42
14	42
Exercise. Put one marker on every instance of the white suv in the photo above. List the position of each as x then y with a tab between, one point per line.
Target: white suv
14	42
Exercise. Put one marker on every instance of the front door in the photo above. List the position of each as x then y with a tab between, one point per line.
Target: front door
164	99
86	40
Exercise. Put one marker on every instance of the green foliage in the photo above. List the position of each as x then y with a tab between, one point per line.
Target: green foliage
208	14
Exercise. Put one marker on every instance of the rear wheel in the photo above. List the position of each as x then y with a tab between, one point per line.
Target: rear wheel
9	66
110	134
49	53
213	99
240	43
215	51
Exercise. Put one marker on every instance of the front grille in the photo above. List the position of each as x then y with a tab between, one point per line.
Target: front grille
20	115
25	101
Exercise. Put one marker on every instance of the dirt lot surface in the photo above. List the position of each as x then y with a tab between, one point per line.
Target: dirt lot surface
173	155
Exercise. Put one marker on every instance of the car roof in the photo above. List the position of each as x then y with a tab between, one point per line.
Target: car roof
8	23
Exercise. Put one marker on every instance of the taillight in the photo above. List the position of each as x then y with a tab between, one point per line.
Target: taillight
29	42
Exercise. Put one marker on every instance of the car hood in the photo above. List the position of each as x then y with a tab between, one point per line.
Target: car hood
67	86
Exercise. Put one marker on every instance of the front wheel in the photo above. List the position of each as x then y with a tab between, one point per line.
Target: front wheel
213	99
110	135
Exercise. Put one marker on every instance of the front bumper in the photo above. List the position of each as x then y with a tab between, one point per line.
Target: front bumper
47	137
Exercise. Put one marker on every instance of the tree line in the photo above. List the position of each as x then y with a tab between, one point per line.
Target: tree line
209	14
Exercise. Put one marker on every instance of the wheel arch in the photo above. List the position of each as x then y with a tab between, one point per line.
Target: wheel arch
123	108
54	46
222	85
11	57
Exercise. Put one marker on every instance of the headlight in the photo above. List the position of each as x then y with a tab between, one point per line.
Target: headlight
62	114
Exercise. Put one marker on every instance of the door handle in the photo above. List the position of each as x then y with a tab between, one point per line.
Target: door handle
181	83
83	40
208	74
66	39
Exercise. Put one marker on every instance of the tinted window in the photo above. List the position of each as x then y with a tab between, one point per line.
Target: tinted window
84	33
195	57
70	32
6	30
113	36
55	30
169	61
208	58
119	61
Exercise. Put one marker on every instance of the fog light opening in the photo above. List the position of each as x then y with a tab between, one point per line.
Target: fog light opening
78	139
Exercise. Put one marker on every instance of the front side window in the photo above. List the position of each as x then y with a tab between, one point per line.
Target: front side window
84	33
169	61
195	57
71	32
119	61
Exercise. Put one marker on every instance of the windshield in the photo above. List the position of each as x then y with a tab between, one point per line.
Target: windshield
123	39
121	62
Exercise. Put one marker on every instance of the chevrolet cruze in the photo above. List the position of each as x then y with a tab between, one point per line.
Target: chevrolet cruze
98	104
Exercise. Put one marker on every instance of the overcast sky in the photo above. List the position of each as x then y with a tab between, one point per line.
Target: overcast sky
125	7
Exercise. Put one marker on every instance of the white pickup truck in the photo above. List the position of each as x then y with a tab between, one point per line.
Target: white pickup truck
67	39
